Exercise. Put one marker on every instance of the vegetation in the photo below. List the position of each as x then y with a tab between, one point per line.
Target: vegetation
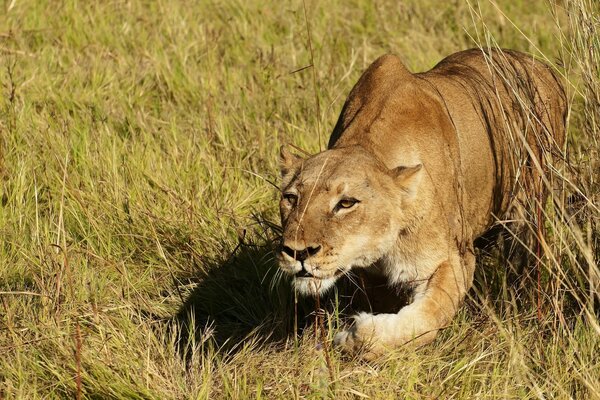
138	154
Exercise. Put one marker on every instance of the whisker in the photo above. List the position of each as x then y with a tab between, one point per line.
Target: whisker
348	274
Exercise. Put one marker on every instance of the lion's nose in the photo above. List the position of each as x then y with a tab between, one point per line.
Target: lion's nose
301	255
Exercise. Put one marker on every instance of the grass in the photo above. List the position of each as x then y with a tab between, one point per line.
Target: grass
139	141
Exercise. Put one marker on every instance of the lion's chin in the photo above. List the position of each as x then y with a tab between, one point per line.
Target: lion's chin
313	286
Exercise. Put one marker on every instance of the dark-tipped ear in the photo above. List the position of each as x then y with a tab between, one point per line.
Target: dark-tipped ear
408	178
288	162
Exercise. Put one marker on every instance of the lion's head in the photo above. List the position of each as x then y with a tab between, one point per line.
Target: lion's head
340	209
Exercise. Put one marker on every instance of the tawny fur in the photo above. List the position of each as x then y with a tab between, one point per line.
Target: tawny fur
433	160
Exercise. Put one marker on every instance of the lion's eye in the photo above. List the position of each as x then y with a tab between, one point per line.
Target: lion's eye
346	203
291	198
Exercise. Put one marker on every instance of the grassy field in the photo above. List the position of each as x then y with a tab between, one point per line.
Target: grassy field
139	148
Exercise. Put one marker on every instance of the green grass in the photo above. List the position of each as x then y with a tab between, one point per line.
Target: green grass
138	143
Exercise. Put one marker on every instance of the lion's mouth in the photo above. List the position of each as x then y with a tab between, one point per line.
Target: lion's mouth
303	273
311	285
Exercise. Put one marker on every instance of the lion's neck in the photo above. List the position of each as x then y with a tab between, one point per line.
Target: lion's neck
417	252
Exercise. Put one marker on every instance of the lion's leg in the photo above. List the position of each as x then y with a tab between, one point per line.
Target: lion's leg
435	304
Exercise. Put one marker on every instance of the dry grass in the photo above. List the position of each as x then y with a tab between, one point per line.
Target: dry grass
138	141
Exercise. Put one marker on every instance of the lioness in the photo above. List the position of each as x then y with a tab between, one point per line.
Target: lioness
418	166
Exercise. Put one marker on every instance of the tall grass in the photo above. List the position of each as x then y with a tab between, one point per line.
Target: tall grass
137	143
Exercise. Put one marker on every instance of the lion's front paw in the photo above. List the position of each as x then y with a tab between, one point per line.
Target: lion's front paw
343	340
362	338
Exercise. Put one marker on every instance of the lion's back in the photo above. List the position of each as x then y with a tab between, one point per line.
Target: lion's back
509	111
509	77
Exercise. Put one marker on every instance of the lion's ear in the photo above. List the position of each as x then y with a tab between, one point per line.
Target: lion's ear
288	162
408	178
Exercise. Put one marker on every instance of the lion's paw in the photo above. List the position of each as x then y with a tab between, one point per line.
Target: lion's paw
362	338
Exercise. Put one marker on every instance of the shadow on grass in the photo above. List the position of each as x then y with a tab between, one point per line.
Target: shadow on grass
243	298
